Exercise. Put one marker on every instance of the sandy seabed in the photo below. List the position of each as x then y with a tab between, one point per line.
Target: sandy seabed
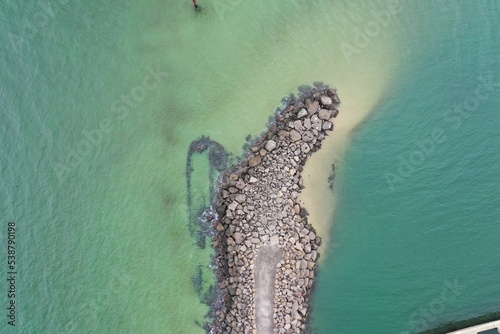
359	97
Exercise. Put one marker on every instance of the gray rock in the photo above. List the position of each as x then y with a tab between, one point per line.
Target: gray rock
294	135
312	107
317	125
298	125
327	125
282	134
325	114
238	237
240	198
252	180
331	92
302	112
307	123
307	136
305	148
270	145
275	240
233	206
326	101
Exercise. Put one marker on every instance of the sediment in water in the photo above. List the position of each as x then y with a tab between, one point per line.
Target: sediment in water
257	207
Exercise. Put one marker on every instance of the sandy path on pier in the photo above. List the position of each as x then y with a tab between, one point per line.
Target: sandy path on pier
265	274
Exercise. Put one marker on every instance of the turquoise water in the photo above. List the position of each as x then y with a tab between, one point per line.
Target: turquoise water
399	245
101	102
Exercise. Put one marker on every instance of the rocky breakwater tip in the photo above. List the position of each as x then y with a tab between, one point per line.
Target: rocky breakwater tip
258	211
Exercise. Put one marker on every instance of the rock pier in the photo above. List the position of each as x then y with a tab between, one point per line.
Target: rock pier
266	251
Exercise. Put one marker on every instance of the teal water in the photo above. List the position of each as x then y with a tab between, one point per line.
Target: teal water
101	102
420	250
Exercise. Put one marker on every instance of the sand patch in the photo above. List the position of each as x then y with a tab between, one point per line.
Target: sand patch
358	98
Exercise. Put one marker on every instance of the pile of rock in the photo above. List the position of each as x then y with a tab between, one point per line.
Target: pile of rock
257	205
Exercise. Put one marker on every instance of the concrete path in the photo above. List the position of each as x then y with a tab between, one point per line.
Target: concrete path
479	328
265	274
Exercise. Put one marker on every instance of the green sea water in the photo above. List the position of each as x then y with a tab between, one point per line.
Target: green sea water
101	102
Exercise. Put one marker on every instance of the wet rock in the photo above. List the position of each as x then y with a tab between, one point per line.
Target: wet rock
331	92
